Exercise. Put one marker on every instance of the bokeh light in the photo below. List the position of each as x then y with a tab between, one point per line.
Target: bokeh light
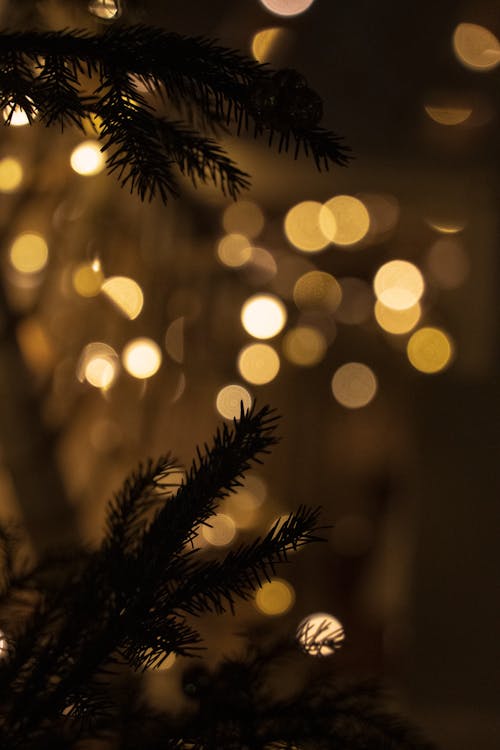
11	174
221	531
304	346
320	634
243	507
357	301
142	358
29	253
287	7
303	229
398	284
429	350
15	116
275	597
265	41
243	217
126	295
87	279
229	398
354	385
317	290
4	646
447	263
448	115
263	316
174	340
344	220
87	158
258	363
98	365
397	321
106	10
234	250
476	47
262	267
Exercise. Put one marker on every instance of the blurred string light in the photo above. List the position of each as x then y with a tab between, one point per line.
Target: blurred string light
290	268
234	250
229	399
356	304
29	253
35	345
446	226
354	385
429	350
344	220
106	10
265	41
303	229
4	645
87	158
11	174
243	217
447	263
320	634
258	363
141	358
397	321
398	284
126	295
220	532
448	115
263	316
317	290
476	47
275	597
243	506
174	340
98	365
88	278
16	116
287	7
304	346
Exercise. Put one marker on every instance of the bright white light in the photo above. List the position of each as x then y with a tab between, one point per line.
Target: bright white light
287	7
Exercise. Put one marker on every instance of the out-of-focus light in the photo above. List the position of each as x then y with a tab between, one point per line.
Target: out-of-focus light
142	358
446	226
15	116
448	115
352	535
99	372
265	41
243	217
275	597
357	301
258	363
174	340
476	47
257	487
98	365
398	284
229	398
429	350
87	279
397	321
290	268
320	634
4	646
87	158
317	290
234	250
106	10
29	253
243	508
344	220
11	174
304	346
126	294
448	263
287	7
36	346
303	229
354	385
221	531
263	316
262	267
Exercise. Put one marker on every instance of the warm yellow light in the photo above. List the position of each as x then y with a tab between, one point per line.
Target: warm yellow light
263	316
126	294
448	263
243	217
15	116
476	47
167	663
303	229
264	42
234	250
357	301
448	115
397	321
221	531
100	372
4	646
107	10
446	227
11	174
275	597
354	385
229	398
87	279
398	284
344	220
262	266
87	158
258	363
317	290
320	634
429	350
142	358
98	365
287	7
243	508
304	346
29	253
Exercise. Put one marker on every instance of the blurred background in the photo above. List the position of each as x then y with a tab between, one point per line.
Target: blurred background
361	303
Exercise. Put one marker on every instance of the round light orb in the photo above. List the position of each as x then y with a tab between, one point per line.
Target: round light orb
398	284
234	250
243	507
229	400
87	158
142	358
304	346
397	321
87	279
317	290
100	372
476	47
429	350
448	115
287	7
126	295
15	116
265	41
11	174
243	217
275	597
345	220
98	365
29	253
263	316
258	363
220	532
354	385
106	10
303	228
320	634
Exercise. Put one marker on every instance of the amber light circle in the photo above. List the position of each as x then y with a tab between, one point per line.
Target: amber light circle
263	316
229	400
275	597
354	385
258	363
429	350
320	634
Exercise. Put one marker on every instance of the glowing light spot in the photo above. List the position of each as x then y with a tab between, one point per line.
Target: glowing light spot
429	350
446	227
448	115
398	284
243	508
98	365
243	217
234	250
16	116
275	597
262	266
87	279
397	321
448	263
221	531
287	7
174	340
352	536
229	398
142	358
167	663
304	346
258	363
11	174
344	220
263	316
354	385
106	10
87	159
357	302
265	41
317	290
29	253
303	228
126	294
35	345
4	646
320	634
476	47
